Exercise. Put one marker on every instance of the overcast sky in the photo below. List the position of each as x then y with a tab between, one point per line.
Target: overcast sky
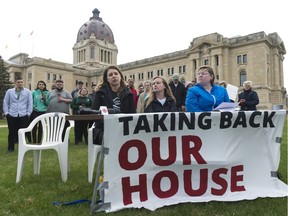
141	28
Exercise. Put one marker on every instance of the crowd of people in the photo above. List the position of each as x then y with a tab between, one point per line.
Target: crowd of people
21	105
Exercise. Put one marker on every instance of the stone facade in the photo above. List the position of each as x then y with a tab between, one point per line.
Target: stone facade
257	57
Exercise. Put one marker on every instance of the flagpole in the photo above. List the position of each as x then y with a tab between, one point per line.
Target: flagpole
32	44
19	37
6	47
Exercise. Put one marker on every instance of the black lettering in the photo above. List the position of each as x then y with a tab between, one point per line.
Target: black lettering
159	122
142	124
240	120
125	121
268	119
252	119
184	119
225	120
207	122
172	121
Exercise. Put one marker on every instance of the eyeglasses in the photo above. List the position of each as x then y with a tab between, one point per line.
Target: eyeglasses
203	74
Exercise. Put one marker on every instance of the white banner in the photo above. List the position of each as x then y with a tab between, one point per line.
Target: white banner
160	159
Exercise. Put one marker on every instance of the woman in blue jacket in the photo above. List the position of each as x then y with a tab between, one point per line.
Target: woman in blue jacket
205	95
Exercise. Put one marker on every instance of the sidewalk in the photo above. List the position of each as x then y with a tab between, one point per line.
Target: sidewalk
3	126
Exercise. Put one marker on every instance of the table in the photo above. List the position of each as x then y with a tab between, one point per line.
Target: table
87	117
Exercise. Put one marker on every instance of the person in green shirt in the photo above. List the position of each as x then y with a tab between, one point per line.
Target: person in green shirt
40	103
81	127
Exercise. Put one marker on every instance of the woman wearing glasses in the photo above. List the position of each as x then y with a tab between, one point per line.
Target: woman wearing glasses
205	95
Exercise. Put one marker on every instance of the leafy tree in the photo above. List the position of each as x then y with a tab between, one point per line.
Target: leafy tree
5	84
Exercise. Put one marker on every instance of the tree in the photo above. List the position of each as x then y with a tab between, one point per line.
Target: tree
5	84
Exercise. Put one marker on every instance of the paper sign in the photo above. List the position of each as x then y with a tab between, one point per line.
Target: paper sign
104	110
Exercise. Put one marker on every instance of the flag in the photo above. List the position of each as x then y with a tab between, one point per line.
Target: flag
19	35
31	33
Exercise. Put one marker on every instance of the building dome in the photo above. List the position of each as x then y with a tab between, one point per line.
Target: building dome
97	27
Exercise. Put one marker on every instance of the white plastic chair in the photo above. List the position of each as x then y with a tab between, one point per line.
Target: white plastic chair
53	126
93	151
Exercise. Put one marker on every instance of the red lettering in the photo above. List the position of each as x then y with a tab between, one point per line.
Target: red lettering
187	151
236	178
127	189
123	155
156	151
203	180
220	181
174	184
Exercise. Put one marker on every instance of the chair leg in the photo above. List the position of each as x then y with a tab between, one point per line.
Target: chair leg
63	162
21	156
37	160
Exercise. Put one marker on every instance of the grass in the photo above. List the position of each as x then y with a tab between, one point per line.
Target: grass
35	195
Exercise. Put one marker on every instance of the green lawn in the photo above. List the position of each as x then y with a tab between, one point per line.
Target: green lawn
34	195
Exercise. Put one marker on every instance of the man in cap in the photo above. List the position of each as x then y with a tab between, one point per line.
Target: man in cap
74	93
179	92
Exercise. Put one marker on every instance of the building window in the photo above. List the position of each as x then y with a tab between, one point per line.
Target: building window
169	72
184	68
54	77
180	69
92	53
239	59
101	55
60	76
172	70
243	77
217	60
245	59
242	59
48	76
206	62
160	72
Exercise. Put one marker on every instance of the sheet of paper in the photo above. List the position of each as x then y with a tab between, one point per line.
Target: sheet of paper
226	106
232	91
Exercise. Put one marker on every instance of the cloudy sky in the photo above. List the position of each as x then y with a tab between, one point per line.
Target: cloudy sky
142	28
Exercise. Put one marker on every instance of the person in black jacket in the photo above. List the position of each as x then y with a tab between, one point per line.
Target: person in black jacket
179	92
248	99
161	98
113	94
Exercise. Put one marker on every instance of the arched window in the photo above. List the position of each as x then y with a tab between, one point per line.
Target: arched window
243	77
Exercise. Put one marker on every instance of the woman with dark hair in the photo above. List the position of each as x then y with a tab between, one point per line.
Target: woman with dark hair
161	98
114	94
205	95
40	104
